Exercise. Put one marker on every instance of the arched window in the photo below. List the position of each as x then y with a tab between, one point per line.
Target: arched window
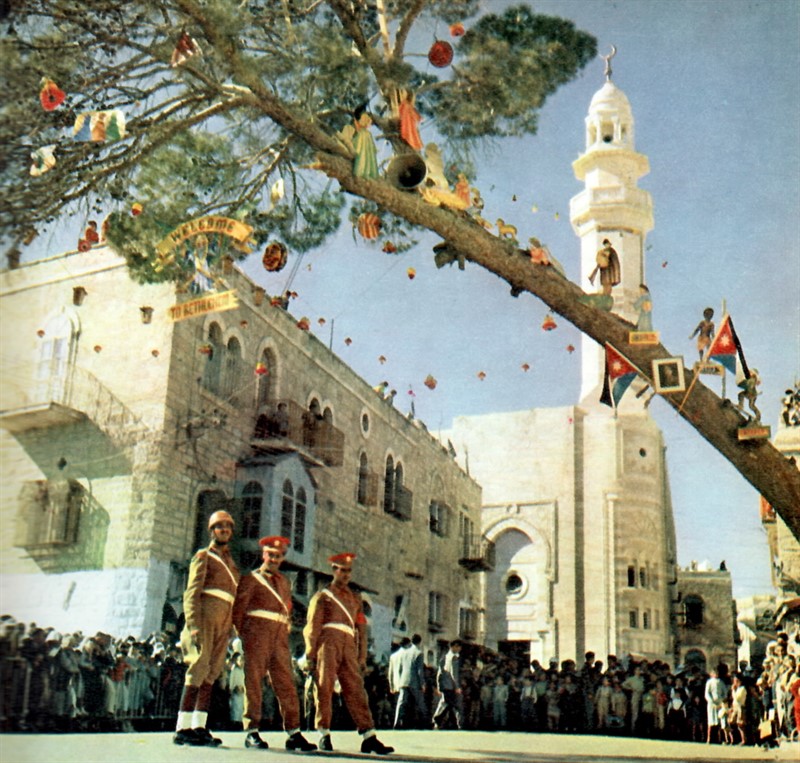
252	499
388	486
693	607
695	657
311	419
264	393
642	577
298	536
211	373
287	509
232	373
56	357
363	479
631	576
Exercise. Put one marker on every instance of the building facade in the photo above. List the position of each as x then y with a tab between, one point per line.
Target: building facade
706	617
576	499
122	430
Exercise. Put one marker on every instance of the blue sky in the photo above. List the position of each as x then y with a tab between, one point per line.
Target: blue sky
715	95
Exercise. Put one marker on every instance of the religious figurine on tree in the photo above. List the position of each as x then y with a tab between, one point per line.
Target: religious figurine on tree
704	331
409	120
750	393
644	304
608	266
365	164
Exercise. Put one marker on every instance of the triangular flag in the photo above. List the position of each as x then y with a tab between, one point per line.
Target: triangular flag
726	350
618	376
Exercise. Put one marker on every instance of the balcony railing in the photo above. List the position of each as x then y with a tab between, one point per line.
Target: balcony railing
369	485
286	421
49	513
67	398
477	554
401	503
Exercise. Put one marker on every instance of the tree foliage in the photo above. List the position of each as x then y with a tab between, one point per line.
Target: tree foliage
266	100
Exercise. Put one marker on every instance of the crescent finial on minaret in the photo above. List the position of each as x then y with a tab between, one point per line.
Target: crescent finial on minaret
607	59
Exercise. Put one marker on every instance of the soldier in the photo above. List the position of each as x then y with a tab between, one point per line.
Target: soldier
262	616
336	647
207	604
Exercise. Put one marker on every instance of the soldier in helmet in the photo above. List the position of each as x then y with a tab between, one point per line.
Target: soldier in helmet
262	616
207	605
336	647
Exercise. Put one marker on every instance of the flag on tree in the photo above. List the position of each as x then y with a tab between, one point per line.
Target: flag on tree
617	378
726	350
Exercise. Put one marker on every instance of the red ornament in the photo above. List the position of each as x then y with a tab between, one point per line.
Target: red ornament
205	349
136	209
275	256
51	95
304	324
548	324
430	382
457	29
155	353
481	375
261	369
84	245
40	333
441	54
369	225
348	341
389	248
570	348
98	347
526	367
411	273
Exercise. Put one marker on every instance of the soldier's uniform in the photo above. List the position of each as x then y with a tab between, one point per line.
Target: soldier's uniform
262	616
336	646
207	605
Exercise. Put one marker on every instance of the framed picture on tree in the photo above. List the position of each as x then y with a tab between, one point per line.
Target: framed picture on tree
668	375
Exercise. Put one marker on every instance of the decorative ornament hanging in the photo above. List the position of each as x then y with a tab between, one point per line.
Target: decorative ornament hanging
136	209
275	256
457	29
430	382
304	324
261	368
99	126
206	349
525	367
40	333
44	160
155	353
570	348
98	348
369	225
276	192
382	359
185	48
389	248
549	323
90	237
481	375
441	54
51	95
411	273
348	341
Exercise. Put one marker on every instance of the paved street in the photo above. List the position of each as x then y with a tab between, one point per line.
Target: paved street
415	746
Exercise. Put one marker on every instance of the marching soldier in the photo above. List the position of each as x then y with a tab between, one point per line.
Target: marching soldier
336	647
262	616
207	604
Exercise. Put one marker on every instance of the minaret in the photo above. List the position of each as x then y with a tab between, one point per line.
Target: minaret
612	207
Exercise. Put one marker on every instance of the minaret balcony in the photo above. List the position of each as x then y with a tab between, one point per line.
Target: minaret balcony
615	206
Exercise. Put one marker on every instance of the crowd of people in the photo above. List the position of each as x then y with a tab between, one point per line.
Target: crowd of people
52	682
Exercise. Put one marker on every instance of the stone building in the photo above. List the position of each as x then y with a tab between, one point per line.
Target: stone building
755	622
576	498
706	617
122	430
784	547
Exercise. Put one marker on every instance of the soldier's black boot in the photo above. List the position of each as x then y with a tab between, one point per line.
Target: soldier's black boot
254	740
298	742
184	736
203	738
325	743
373	744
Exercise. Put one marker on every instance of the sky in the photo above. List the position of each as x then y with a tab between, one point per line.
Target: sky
716	101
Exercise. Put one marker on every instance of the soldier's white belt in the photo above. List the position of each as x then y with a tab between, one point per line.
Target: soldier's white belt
219	594
341	627
267	615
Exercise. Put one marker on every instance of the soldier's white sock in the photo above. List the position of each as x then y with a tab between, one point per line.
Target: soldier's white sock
199	719
324	733
184	721
292	732
369	733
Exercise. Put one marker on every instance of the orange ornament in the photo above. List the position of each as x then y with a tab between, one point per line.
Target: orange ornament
457	29
369	225
430	382
51	95
411	273
481	375
548	324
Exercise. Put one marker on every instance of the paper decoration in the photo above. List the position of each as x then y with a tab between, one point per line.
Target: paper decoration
389	248
525	367
276	192
430	382
99	126
548	324
369	225
411	273
365	162
136	209
51	95
155	353
275	257
382	359
261	368
457	29
40	333
304	324
570	348
348	341
505	230
43	160
481	375
90	237
321	321
409	120
185	48
98	348
206	349
441	54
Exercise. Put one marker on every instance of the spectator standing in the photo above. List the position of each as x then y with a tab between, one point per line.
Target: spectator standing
448	682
